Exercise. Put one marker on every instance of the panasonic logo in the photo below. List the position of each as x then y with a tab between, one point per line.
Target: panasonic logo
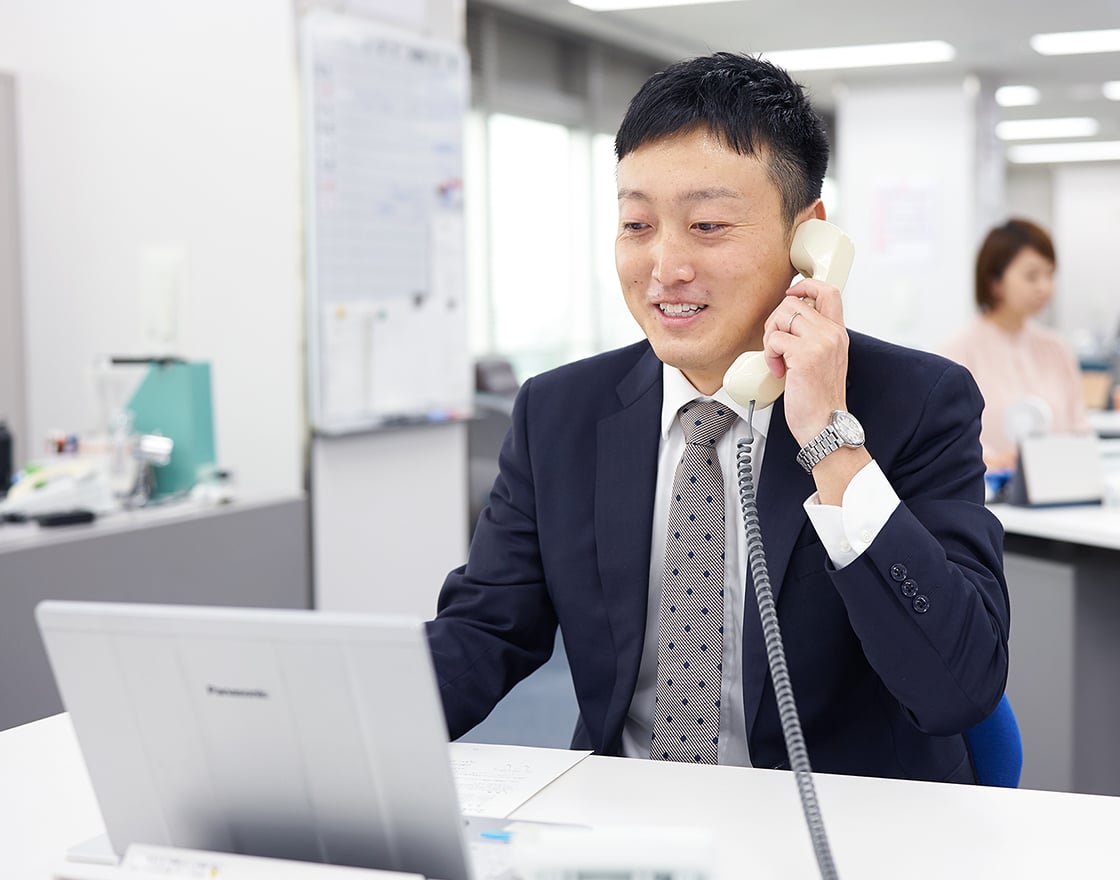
256	693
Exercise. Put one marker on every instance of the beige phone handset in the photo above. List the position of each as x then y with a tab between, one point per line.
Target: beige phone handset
821	251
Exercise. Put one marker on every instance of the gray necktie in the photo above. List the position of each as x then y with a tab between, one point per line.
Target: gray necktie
690	626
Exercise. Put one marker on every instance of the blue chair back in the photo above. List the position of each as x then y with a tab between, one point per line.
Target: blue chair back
996	747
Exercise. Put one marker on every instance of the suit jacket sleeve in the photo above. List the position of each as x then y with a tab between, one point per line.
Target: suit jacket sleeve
927	599
496	623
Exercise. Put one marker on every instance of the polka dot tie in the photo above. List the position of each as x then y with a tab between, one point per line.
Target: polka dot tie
690	626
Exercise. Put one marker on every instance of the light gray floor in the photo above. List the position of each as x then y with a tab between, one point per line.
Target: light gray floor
540	711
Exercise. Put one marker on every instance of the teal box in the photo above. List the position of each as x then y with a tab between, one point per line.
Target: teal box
174	400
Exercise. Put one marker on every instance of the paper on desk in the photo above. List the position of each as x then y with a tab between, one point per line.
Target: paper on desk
494	780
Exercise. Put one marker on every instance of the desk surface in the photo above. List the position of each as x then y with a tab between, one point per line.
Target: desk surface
20	536
879	828
1091	525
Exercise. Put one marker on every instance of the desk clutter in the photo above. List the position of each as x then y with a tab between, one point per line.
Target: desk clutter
1055	468
1058	469
156	443
165	863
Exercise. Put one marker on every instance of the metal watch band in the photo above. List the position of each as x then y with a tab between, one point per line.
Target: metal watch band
816	449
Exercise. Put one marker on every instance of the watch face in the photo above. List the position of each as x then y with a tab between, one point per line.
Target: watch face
848	427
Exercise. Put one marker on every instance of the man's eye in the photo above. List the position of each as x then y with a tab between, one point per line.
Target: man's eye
634	226
708	227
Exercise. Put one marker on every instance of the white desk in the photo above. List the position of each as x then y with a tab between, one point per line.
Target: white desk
1063	576
878	828
46	801
1086	525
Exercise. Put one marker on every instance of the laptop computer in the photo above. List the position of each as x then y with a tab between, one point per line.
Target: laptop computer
292	734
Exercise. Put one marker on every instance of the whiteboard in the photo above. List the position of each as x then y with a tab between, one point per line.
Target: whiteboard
383	125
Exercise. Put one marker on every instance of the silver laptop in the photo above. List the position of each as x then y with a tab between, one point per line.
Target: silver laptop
292	734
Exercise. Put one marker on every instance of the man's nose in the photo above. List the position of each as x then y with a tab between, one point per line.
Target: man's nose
672	260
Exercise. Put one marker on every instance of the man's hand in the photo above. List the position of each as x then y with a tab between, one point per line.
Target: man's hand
806	341
809	346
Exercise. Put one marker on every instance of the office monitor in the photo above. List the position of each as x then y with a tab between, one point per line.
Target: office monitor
291	734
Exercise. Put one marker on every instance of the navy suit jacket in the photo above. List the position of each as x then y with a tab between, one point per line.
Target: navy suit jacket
891	659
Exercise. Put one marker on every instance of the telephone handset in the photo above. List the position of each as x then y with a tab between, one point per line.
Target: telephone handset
820	250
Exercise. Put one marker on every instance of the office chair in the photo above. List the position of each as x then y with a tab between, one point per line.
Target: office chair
996	748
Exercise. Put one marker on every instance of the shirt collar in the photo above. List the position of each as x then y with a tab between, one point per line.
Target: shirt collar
677	391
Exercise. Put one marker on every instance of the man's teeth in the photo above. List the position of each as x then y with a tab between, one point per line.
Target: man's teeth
680	308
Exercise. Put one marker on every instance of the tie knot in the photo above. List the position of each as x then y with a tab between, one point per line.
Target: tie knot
705	421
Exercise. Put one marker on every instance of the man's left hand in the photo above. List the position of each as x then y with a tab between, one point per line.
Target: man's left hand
809	346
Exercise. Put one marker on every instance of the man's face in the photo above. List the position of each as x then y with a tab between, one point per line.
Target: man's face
702	251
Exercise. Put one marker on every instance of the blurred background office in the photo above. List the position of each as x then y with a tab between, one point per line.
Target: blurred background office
155	190
1027	373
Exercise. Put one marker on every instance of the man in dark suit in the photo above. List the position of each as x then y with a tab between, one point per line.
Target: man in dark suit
886	567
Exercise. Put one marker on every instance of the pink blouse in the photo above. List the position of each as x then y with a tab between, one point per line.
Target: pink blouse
1035	362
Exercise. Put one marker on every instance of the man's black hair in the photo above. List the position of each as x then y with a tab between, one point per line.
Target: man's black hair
751	105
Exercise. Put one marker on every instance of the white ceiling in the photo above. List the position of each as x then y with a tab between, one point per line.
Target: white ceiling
990	36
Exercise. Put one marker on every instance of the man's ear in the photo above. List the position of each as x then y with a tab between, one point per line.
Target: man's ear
809	212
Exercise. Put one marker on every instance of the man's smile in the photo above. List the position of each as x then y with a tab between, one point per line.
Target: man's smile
675	310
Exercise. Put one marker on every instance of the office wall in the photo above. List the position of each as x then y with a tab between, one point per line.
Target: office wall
1030	193
1086	219
914	179
149	129
12	408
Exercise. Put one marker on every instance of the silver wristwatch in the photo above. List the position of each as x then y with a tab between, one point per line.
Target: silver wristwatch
843	430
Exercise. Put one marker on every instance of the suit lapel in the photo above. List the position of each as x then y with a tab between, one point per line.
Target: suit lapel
783	487
626	477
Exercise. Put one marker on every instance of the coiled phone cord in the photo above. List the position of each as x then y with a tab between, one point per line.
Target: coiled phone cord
775	654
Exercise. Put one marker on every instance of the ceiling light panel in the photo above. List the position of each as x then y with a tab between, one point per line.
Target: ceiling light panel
1017	96
1112	90
1076	42
875	55
1087	151
1037	129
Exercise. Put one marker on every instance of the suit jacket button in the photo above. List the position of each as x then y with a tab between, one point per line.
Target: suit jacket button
909	588
921	603
898	571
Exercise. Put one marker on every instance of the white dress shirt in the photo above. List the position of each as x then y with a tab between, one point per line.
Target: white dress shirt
845	532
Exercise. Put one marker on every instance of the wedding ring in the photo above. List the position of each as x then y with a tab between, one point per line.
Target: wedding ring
793	317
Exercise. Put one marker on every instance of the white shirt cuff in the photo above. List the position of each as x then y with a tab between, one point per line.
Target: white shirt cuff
848	530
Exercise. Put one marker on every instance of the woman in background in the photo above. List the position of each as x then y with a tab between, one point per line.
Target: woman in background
1015	361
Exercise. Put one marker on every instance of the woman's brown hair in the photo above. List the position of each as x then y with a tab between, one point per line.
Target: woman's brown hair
1000	247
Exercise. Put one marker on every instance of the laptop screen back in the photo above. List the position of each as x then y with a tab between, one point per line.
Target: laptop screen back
292	734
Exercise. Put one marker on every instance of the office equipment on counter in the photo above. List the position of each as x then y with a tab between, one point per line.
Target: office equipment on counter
6	464
67	518
63	485
1057	469
174	401
287	734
